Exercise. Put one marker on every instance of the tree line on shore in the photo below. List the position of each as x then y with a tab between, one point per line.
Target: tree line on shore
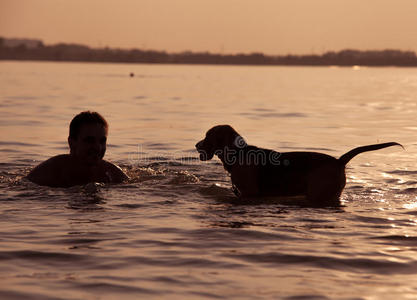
82	53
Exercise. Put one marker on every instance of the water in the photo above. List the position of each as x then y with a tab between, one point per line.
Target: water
174	231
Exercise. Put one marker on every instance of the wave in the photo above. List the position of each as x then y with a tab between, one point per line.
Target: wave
355	265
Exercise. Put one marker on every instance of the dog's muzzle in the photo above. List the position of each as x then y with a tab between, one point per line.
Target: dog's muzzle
203	153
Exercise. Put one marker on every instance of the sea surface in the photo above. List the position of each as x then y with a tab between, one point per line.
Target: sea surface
175	230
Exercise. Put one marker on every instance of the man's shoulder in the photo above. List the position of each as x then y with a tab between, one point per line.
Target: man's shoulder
49	171
55	161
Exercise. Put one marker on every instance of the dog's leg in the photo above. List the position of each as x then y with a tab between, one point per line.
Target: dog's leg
246	180
325	185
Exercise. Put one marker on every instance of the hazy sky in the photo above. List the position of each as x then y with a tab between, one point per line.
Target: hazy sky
227	26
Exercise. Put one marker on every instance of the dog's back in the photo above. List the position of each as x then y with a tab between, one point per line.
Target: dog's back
292	173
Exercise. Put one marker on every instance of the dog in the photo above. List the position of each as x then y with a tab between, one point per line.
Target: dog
258	172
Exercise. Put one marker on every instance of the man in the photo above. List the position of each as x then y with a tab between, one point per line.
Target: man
87	141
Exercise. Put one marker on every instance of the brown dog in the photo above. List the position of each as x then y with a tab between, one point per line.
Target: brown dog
261	172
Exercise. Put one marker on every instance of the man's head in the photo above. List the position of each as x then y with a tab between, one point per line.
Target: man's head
88	137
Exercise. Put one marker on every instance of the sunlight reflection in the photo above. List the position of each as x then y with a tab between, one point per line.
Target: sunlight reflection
391	249
410	205
355	179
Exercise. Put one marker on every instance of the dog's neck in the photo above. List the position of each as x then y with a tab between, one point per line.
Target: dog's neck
230	156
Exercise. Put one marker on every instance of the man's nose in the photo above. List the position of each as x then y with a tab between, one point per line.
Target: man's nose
97	146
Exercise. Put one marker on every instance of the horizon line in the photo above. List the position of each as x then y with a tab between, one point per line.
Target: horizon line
206	51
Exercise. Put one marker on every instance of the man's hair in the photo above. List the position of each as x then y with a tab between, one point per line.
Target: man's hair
85	117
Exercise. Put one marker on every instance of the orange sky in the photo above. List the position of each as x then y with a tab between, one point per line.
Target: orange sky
227	26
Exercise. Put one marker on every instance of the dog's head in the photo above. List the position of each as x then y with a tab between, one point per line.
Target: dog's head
218	139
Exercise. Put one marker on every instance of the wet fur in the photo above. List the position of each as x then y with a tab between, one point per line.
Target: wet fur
258	172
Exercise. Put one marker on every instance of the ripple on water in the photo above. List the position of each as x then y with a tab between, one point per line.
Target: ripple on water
17	144
398	240
402	172
47	258
373	266
263	115
17	295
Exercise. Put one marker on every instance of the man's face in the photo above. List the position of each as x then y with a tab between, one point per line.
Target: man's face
90	145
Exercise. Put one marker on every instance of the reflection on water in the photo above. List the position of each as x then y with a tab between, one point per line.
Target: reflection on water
175	230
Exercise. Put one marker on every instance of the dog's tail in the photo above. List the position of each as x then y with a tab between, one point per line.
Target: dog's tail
345	158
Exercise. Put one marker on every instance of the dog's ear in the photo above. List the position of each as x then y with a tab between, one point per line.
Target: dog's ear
223	136
239	142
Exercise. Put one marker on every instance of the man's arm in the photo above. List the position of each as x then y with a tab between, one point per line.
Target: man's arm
115	173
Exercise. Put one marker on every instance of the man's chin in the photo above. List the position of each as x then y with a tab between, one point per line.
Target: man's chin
92	161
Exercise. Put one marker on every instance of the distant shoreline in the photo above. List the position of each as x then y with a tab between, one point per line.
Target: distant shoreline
35	50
